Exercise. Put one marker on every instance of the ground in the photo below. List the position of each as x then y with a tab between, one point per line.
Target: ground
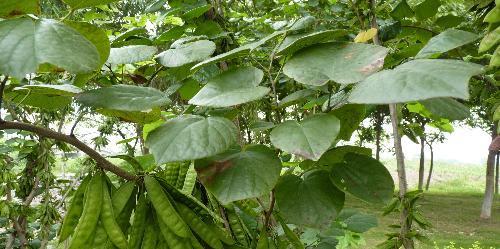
452	205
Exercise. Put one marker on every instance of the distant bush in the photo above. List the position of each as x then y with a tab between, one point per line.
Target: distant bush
475	245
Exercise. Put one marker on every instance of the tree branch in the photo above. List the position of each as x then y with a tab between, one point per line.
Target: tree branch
2	87
101	161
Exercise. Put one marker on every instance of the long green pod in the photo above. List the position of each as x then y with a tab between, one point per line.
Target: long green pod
203	230
236	227
173	241
165	209
150	239
183	169
108	220
139	223
223	235
290	235
172	173
90	214
122	196
99	238
263	242
189	180
74	211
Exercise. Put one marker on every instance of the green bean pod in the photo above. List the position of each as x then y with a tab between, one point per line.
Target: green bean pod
183	169
263	242
223	235
122	196
150	239
108	220
172	173
100	237
165	209
90	214
173	241
74	211
237	228
139	223
203	230
189	180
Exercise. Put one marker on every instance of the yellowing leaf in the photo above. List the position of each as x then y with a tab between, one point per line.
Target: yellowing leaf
365	36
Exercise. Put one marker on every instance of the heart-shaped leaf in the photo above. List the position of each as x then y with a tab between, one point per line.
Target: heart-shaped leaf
311	201
186	53
309	138
237	175
343	63
26	43
124	98
363	177
417	80
232	87
190	137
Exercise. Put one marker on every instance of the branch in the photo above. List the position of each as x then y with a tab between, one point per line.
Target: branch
2	87
101	161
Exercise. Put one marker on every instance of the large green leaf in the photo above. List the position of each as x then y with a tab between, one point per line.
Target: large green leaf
232	87
131	54
293	43
427	9
363	177
237	52
402	10
350	117
25	43
336	155
312	201
186	53
10	8
141	117
447	108
95	35
80	4
339	62
54	90
416	80
310	138
490	40
237	175
124	98
446	41
356	221
190	137
296	97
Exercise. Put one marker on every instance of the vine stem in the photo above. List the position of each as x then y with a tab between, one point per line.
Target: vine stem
101	161
403	186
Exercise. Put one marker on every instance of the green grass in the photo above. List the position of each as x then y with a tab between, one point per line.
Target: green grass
452	205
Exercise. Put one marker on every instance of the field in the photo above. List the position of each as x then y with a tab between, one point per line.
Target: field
452	206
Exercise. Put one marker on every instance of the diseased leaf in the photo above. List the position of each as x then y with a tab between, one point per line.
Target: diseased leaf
343	63
417	80
186	53
311	201
190	137
363	177
11	8
238	175
26	43
365	35
131	54
124	98
446	41
310	138
231	88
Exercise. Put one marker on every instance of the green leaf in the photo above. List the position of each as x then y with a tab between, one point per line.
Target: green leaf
238	175
312	201
26	43
95	35
449	21
495	59
144	117
490	40
131	54
43	101
417	80
447	108
363	177
233	87
261	125
427	9
302	24
446	41
310	138
356	221
493	16
350	117
339	62
336	155
402	10
186	53
237	52
54	90
196	12
190	137
80	4
296	97
124	98
11	8
293	43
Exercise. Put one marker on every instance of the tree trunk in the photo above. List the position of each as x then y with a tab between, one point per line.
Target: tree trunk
497	175
431	167
490	181
421	168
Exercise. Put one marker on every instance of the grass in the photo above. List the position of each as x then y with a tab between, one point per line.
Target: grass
452	205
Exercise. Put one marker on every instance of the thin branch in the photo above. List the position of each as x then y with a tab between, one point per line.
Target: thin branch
2	87
270	211
101	161
31	195
78	119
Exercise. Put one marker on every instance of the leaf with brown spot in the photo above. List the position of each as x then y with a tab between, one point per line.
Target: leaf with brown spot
12	8
237	175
